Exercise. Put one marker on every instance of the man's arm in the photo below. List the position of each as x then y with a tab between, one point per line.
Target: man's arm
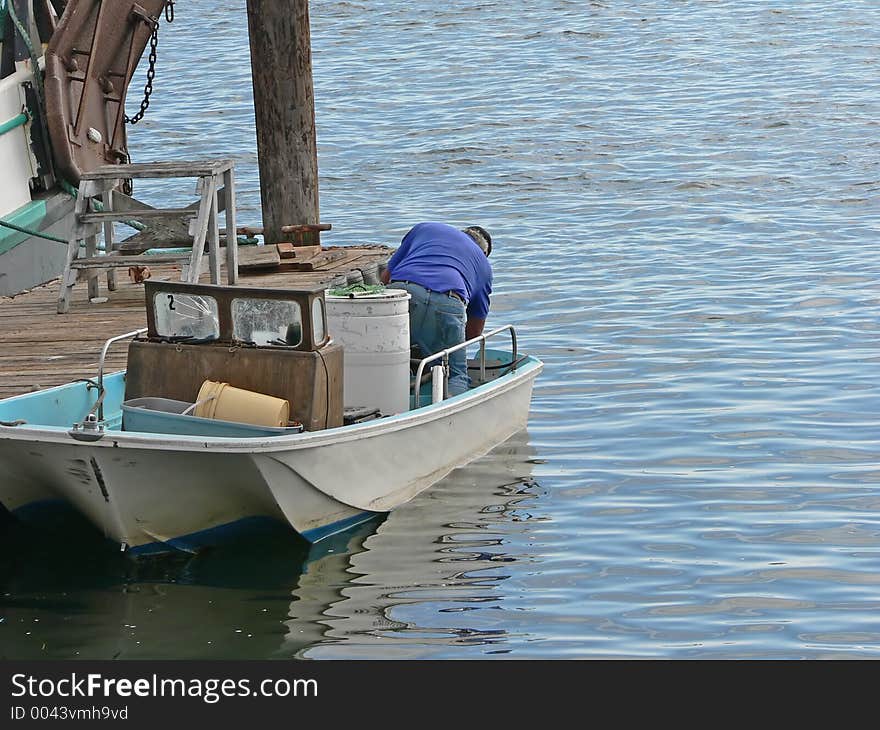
385	276
473	327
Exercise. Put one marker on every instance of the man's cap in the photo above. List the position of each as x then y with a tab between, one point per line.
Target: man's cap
481	236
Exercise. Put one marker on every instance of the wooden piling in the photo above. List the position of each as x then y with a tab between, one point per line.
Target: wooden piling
284	104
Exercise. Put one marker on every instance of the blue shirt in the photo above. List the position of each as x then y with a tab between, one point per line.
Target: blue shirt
442	258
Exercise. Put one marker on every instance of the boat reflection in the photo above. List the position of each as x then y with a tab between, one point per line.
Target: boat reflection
432	573
99	604
387	587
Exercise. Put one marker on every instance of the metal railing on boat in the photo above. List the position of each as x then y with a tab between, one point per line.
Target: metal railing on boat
440	372
91	427
104	350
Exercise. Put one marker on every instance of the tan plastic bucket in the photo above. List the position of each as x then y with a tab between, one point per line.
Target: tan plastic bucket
222	402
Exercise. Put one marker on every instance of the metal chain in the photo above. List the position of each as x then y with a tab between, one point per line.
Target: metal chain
151	68
151	74
128	183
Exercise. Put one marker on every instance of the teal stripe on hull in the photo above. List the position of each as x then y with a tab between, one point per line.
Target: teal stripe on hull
196	541
31	216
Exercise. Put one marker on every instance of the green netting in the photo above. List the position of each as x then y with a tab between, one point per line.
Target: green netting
353	290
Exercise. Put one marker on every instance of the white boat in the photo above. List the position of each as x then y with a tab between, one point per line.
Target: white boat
177	486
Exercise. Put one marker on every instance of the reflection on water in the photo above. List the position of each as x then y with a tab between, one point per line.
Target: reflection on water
437	569
93	602
270	595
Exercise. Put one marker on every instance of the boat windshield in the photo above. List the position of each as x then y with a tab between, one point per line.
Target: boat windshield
267	321
181	315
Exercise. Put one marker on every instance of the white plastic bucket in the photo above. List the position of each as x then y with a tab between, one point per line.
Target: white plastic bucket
374	332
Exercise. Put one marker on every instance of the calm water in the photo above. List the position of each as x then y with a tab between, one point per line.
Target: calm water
684	197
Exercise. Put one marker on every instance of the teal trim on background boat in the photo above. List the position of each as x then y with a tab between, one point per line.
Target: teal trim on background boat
36	254
14	123
31	216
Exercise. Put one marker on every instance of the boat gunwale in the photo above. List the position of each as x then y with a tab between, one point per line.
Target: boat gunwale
526	370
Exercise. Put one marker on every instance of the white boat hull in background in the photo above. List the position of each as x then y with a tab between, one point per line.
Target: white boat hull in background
26	260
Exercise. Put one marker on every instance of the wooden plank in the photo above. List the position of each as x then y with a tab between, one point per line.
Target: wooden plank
314	263
197	168
290	250
258	257
170	214
352	260
306	228
199	228
98	262
142	243
304	253
298	229
231	226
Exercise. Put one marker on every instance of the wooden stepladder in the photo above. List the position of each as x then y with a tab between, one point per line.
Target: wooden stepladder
100	204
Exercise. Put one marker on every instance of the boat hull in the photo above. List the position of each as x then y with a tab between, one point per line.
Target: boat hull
27	260
153	493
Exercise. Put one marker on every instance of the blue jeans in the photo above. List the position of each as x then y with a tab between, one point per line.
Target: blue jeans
436	322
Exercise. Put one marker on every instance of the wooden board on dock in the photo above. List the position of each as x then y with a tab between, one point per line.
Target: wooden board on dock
300	253
314	263
258	257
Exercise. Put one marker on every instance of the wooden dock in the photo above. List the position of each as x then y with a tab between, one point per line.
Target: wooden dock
40	348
